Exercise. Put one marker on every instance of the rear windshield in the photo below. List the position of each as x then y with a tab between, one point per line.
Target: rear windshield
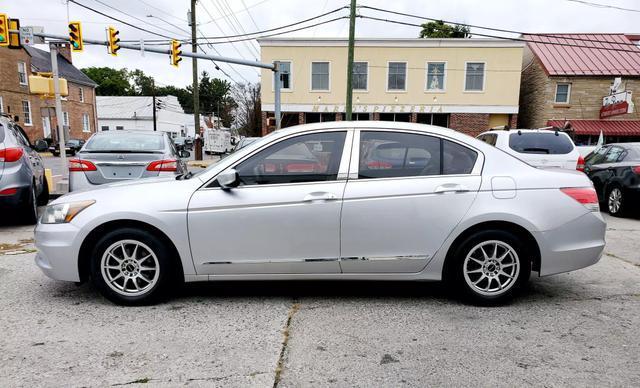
118	142
633	153
1	133
540	143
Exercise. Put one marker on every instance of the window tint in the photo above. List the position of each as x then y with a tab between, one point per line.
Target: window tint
540	143
613	155
122	141
306	158
389	154
596	156
633	153
457	159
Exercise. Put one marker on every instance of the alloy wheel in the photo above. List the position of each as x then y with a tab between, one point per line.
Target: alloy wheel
130	267
615	200
491	268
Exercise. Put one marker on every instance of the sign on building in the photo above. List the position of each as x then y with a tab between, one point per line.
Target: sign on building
615	104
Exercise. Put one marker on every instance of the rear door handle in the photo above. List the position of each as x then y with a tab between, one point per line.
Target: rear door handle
319	196
450	188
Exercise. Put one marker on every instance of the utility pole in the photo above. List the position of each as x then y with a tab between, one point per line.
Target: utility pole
59	117
352	31
194	61
155	125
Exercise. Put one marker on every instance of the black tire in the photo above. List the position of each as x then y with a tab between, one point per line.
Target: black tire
55	153
616	194
456	270
29	209
167	271
43	198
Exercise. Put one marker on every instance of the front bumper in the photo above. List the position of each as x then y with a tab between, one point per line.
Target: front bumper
574	245
57	253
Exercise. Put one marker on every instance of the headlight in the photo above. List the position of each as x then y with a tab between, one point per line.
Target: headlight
64	212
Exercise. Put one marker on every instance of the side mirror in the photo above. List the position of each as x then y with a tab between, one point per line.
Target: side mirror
228	179
184	154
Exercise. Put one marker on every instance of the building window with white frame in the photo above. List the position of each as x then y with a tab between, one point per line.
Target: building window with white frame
474	77
81	94
285	75
397	76
436	76
26	111
320	76
22	73
563	93
65	119
360	75
86	126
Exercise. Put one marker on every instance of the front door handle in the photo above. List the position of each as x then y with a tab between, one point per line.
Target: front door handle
450	188
319	196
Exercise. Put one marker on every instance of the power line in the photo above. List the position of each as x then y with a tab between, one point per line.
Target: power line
230	22
223	16
118	20
556	36
637	51
163	11
250	15
259	32
234	17
598	5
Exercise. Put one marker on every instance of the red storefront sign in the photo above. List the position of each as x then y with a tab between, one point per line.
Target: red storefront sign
619	108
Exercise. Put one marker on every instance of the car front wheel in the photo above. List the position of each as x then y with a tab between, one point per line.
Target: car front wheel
490	267
132	267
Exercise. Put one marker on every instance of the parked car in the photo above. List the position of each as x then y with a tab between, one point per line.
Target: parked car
245	141
123	155
23	185
614	170
481	226
538	147
76	144
69	149
183	143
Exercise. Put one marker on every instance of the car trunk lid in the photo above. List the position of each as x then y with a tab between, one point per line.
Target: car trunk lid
118	166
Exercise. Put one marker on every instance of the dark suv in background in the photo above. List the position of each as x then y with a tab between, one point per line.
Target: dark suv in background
23	185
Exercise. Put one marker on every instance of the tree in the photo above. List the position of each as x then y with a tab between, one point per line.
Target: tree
142	84
215	98
440	29
248	112
111	82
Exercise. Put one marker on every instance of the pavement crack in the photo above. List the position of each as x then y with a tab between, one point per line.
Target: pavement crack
621	259
295	306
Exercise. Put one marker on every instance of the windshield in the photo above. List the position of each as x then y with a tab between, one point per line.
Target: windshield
540	143
125	142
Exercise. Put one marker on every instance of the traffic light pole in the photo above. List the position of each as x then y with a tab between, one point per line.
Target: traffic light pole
59	115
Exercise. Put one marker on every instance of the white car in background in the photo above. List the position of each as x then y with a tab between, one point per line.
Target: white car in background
537	147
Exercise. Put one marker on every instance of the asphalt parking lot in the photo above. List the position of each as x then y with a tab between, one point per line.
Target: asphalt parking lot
575	329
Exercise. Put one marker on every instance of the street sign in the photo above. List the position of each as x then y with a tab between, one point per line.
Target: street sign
26	36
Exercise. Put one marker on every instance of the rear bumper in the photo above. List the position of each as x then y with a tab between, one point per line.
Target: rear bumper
78	180
57	256
14	200
574	245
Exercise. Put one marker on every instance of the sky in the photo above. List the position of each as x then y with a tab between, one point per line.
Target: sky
230	17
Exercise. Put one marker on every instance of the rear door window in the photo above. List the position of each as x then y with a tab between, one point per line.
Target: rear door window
613	155
1	132
457	159
489	138
540	143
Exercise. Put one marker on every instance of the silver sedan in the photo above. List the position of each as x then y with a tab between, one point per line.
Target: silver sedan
344	200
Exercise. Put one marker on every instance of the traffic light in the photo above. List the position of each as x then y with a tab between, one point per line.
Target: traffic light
4	30
112	36
75	36
175	52
14	37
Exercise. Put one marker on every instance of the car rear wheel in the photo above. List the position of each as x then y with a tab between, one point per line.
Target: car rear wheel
132	267
616	202
490	267
29	208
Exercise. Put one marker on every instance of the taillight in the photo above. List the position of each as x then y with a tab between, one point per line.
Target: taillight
580	165
10	154
163	165
584	195
9	191
81	165
636	169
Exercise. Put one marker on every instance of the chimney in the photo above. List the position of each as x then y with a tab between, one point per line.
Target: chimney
64	49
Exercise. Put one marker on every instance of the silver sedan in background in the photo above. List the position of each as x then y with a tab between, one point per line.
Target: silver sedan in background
123	155
344	200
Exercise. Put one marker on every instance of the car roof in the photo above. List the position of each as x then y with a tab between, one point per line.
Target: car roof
136	131
365	124
521	130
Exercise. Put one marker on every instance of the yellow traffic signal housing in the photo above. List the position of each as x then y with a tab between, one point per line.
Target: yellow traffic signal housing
175	52
4	30
75	36
112	37
14	37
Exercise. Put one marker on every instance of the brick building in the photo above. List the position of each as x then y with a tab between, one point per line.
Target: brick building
568	84
79	107
469	85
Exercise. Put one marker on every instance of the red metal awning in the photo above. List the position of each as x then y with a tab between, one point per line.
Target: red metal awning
593	127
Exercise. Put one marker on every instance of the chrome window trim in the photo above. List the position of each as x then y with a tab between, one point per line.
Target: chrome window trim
355	161
349	134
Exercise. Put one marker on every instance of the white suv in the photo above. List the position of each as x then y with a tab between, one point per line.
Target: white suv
537	147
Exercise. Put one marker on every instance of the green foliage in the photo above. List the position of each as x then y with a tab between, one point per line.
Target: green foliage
440	29
111	82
